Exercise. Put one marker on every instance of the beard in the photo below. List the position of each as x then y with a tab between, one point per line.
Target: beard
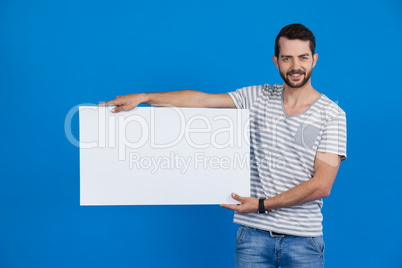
296	84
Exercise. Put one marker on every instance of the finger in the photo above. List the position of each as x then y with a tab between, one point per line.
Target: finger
108	103
231	207
117	109
238	197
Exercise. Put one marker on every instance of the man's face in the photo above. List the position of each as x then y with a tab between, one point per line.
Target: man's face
295	62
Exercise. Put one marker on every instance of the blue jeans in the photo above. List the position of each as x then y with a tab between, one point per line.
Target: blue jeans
256	248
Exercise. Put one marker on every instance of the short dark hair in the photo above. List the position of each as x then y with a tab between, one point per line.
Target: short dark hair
295	31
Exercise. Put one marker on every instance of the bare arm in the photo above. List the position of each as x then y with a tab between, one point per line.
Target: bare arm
326	167
182	98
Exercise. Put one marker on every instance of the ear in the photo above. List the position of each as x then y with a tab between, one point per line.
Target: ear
315	58
275	59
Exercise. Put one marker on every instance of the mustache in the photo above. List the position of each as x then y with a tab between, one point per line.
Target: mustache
295	72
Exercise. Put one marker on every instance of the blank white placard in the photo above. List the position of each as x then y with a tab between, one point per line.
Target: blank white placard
154	156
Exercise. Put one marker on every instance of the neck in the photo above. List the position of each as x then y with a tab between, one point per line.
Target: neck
302	95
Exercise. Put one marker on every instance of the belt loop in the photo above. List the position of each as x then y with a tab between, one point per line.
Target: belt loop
276	234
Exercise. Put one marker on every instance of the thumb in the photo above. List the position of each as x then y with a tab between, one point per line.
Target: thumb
237	197
117	109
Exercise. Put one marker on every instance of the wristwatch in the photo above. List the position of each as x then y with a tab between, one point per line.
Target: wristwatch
261	208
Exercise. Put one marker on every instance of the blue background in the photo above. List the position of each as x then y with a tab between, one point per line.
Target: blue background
57	54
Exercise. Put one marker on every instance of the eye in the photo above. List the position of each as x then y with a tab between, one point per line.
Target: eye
285	59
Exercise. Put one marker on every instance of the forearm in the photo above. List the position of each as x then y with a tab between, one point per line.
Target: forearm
182	98
304	193
188	98
326	167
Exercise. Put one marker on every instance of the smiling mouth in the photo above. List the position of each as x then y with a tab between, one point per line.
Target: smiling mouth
295	75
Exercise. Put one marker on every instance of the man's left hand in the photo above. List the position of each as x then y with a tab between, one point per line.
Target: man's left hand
248	204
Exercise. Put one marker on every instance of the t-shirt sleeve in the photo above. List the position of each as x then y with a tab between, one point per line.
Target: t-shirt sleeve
244	97
334	134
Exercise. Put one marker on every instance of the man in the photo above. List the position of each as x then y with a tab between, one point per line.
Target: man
298	138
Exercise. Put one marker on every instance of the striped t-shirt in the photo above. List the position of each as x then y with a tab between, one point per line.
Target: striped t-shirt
282	153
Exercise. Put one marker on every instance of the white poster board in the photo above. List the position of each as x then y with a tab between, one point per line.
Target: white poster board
151	156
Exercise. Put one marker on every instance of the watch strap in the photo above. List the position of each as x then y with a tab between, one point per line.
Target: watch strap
261	207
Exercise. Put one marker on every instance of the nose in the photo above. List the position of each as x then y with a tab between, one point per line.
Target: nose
296	64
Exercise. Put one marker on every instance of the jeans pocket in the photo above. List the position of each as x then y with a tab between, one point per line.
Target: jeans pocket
318	244
240	235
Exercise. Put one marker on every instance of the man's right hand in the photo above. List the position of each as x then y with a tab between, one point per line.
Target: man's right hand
125	102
